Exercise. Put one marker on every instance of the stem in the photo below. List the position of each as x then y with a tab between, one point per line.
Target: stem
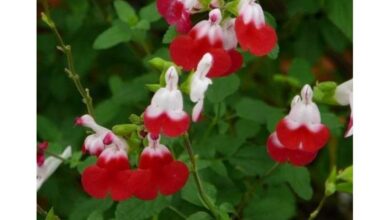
55	155
70	69
177	212
40	210
271	170
314	214
205	198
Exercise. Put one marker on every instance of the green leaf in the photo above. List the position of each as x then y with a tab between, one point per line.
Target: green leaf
150	13
274	53
302	6
222	88
346	174
124	129
340	13
51	216
252	160
218	167
254	110
200	216
246	128
96	215
225	144
125	12
153	87
169	35
332	122
330	183
324	92
114	35
269	19
84	164
191	195
232	7
75	159
300	69
290	81
47	130
276	203
88	207
134	209
105	111
115	83
345	187
297	177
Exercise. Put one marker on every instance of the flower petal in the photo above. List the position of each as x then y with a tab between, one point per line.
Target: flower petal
96	181
174	176
120	185
176	123
143	185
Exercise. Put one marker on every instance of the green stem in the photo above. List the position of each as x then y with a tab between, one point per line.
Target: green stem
70	69
205	198
56	156
314	214
179	213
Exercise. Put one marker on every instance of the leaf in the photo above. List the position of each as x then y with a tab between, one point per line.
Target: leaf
222	88
47	130
125	12
135	209
346	174
115	83
191	195
96	215
274	53
218	167
200	216
150	13
105	111
345	187
300	69
169	35
75	159
51	216
340	13
269	19
225	144
252	160
254	110
88	207
232	7
84	164
302	6
276	203
114	35
246	128
332	122
153	87
297	177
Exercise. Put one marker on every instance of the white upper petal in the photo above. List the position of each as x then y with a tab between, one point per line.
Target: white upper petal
251	12
200	81
304	110
210	28
229	35
50	165
197	110
344	92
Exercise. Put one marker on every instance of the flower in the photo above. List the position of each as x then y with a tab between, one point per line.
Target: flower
158	172
344	96
199	84
45	170
111	174
301	129
177	12
281	154
93	144
42	147
252	32
165	114
205	37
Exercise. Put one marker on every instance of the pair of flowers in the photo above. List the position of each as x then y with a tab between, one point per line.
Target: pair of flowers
112	175
300	135
217	36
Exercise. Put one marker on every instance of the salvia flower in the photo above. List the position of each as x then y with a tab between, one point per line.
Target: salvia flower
199	84
177	12
301	129
111	174
158	172
41	148
252	32
344	96
207	36
93	144
45	170
165	114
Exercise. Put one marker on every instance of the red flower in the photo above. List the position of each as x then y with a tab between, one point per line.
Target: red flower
158	173
252	32
205	37
110	176
41	152
165	114
176	12
300	135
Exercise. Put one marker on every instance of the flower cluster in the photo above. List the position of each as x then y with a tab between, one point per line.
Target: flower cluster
299	135
112	175
218	36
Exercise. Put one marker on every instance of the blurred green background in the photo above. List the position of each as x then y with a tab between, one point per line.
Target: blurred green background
111	57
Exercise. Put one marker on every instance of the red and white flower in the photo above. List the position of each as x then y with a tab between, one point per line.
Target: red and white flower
252	32
41	148
93	144
204	37
177	12
110	176
281	154
199	84
158	172
165	114
47	168
344	96
301	129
